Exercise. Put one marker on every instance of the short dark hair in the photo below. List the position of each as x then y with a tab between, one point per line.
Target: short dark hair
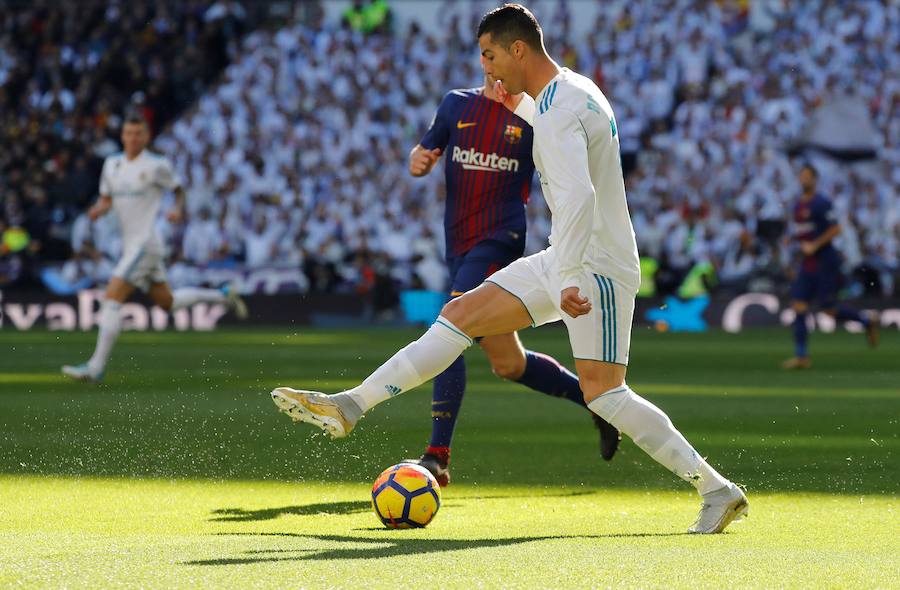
510	23
135	119
811	168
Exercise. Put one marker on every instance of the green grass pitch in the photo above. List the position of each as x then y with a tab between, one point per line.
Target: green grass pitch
178	471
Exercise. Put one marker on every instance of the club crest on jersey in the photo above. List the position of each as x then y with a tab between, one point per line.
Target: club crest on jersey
513	134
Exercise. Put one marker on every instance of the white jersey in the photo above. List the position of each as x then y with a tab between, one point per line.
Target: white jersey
576	153
136	187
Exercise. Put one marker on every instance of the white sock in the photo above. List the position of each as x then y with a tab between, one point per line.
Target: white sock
652	431
418	362
187	296
110	326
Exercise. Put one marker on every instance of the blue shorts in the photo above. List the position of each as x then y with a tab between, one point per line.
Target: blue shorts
820	287
487	257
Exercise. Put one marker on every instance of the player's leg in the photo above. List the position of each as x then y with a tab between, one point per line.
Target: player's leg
185	297
110	324
161	295
510	360
800	331
466	272
446	401
511	299
845	313
600	343
828	290
802	290
133	271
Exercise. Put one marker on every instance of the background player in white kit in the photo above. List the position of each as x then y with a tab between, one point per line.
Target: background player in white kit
588	277
132	183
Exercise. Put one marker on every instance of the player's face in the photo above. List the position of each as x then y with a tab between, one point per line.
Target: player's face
488	79
807	179
134	137
500	64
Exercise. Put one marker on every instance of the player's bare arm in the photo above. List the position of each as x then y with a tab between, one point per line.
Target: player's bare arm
421	161
811	247
100	208
176	214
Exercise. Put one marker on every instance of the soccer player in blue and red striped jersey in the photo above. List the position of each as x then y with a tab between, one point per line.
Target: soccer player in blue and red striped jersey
819	276
488	169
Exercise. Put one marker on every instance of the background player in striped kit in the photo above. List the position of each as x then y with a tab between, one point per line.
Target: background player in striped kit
488	171
818	277
132	183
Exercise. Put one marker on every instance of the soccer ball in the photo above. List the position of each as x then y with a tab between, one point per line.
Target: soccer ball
405	496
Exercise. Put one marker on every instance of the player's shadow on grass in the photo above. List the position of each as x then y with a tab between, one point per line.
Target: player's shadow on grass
354	507
386	547
241	515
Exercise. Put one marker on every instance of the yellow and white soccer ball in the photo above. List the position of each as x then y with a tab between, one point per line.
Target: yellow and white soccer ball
406	496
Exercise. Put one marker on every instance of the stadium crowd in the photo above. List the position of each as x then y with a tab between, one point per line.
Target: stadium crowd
68	73
296	157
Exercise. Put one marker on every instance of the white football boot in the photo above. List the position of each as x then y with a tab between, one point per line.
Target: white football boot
234	302
720	508
82	373
314	408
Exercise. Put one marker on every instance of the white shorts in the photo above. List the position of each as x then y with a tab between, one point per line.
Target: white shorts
603	334
141	269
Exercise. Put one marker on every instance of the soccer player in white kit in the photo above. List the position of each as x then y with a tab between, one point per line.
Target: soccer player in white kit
132	183
588	277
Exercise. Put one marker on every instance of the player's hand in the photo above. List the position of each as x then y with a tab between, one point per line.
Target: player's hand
510	101
500	91
175	216
808	248
421	161
96	212
573	303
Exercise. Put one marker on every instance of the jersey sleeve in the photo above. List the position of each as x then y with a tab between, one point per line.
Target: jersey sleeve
562	143
826	214
438	134
105	186
165	175
526	109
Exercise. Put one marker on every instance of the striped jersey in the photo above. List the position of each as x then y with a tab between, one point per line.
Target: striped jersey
488	169
812	218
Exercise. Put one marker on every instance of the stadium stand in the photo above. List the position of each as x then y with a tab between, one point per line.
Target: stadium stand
293	143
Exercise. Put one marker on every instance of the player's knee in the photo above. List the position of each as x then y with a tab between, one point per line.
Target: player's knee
453	311
116	292
510	368
799	307
459	313
165	301
832	311
594	385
